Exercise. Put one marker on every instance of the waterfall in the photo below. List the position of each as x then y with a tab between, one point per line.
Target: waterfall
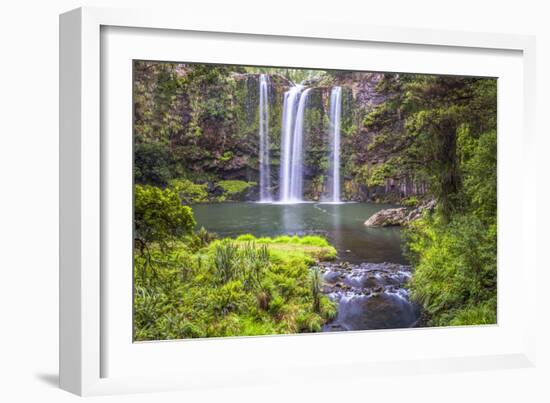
265	168
292	144
334	157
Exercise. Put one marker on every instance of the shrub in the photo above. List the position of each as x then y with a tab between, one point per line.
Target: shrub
201	239
189	192
455	268
309	322
234	189
482	314
225	261
315	286
152	163
159	215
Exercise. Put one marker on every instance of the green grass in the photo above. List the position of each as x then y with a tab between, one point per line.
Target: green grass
309	246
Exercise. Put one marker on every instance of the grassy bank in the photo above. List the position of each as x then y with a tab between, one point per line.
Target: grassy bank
198	287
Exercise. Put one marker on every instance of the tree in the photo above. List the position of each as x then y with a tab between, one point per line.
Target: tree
159	216
420	124
152	163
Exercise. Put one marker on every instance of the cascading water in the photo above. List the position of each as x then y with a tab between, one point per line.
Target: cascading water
265	169
292	144
334	158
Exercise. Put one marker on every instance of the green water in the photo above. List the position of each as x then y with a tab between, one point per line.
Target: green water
342	224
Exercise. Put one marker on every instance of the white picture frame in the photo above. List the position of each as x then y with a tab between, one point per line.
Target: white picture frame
93	348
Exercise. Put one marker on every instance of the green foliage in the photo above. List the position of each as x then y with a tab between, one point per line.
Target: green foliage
200	121
377	174
314	240
190	121
422	122
455	265
411	201
316	284
189	192
152	164
239	287
159	215
246	237
481	314
156	97
304	240
480	176
225	261
379	118
286	246
442	132
455	259
205	237
234	189
295	75
227	156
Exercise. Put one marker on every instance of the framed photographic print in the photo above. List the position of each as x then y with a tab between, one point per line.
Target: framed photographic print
235	195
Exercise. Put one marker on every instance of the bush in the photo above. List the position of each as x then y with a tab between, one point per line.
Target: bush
482	314
159	215
189	192
234	189
152	163
202	238
316	285
455	268
226	263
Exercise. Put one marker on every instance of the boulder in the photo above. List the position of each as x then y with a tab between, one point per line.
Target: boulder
399	216
388	217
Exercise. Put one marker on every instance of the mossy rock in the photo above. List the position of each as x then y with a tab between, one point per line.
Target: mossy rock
235	190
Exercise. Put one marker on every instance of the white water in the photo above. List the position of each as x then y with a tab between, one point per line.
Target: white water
334	158
265	169
292	145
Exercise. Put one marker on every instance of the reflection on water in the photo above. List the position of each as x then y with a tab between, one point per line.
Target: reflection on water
342	224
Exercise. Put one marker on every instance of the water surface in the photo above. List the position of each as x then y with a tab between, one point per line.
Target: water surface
342	224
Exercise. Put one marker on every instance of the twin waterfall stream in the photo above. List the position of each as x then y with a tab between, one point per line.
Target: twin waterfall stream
291	175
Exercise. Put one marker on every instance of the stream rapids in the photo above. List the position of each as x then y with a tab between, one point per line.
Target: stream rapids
369	296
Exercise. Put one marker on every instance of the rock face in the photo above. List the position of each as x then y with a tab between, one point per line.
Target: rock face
203	124
388	217
399	216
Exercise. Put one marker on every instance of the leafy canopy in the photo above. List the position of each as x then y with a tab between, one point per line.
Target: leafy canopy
159	215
